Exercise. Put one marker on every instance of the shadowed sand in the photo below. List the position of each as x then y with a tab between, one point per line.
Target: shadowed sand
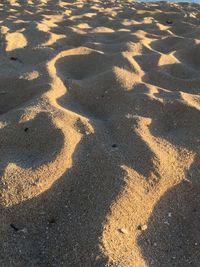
99	133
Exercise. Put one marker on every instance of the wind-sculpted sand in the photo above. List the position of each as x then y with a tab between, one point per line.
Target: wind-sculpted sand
99	134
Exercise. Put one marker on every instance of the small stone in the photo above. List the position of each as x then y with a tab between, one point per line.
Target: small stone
24	230
52	221
196	244
142	227
169	22
37	181
13	58
169	214
54	153
14	227
123	231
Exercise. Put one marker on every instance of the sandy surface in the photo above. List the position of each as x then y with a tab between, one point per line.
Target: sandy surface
99	134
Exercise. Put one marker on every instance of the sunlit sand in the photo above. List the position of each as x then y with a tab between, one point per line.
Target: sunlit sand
99	134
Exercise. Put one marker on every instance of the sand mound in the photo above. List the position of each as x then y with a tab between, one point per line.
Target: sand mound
99	133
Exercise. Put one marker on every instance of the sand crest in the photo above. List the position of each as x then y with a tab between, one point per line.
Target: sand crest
99	133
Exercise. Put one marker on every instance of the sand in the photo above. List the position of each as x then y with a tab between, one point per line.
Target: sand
99	134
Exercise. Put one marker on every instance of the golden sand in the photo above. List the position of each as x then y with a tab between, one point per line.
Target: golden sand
99	134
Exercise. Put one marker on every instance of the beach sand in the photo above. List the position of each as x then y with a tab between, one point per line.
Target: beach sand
99	134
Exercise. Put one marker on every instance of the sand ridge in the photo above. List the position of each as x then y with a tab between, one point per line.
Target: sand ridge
99	133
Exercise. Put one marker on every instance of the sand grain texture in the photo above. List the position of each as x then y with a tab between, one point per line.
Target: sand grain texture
99	134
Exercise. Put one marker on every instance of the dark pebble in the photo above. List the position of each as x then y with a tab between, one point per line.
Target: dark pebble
52	221
169	22
13	58
14	227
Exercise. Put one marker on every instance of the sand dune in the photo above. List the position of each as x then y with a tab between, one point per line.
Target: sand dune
99	133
